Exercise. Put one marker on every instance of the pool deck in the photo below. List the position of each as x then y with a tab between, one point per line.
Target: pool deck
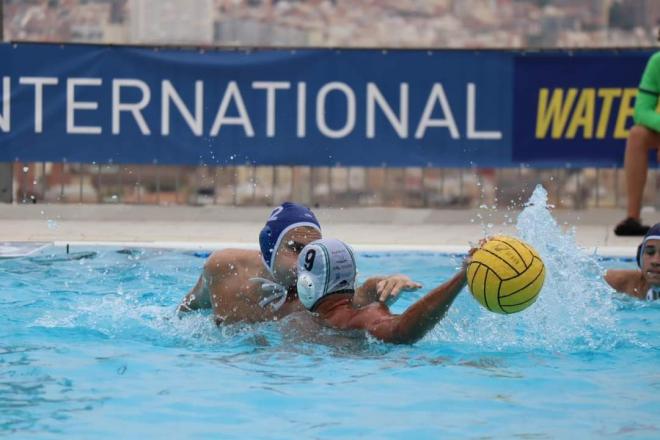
208	227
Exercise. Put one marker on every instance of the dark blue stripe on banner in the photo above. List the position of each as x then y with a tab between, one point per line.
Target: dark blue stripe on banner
574	109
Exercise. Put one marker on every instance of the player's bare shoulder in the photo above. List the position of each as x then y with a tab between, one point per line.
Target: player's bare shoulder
227	261
624	281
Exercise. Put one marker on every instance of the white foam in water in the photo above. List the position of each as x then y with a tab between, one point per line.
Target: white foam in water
123	315
575	310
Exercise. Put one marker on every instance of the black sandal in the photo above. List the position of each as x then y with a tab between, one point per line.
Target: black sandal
631	227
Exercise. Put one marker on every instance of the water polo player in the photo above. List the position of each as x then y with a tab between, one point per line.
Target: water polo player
253	286
250	285
645	282
326	287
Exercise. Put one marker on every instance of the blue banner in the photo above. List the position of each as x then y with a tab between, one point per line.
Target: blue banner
575	109
112	104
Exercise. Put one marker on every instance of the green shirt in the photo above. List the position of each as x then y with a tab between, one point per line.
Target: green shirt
646	104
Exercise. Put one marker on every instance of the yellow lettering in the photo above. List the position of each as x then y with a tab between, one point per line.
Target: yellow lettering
554	113
583	115
626	111
608	96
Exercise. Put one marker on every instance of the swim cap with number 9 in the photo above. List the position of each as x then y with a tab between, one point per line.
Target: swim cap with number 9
324	266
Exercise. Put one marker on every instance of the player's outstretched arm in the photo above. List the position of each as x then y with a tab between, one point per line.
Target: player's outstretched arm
415	322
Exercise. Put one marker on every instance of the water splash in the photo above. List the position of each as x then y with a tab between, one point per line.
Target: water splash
575	310
574	299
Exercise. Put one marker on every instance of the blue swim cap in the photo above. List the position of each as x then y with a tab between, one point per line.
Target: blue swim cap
283	218
653	234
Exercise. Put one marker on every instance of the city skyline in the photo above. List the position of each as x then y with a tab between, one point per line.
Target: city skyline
337	23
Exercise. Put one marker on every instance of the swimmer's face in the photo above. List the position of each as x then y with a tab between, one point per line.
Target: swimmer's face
651	262
286	255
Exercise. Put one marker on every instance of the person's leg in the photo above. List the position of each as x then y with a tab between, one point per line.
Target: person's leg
640	141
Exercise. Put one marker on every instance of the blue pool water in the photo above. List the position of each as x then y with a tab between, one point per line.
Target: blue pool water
90	348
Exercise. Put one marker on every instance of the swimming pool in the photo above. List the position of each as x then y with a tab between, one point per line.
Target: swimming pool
90	348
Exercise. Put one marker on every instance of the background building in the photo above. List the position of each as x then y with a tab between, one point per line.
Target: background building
342	23
171	21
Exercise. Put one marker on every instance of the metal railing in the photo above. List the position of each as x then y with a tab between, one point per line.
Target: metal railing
337	186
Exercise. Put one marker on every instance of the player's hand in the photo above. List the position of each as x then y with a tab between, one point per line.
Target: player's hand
468	258
182	309
388	289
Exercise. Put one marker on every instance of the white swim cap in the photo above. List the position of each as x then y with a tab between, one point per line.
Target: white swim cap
324	266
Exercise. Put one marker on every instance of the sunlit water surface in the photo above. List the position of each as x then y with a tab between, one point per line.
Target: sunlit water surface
90	348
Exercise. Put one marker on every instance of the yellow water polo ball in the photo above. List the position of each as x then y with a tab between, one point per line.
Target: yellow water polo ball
505	275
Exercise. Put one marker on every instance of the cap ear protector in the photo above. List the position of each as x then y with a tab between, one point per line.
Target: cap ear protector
639	255
325	266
